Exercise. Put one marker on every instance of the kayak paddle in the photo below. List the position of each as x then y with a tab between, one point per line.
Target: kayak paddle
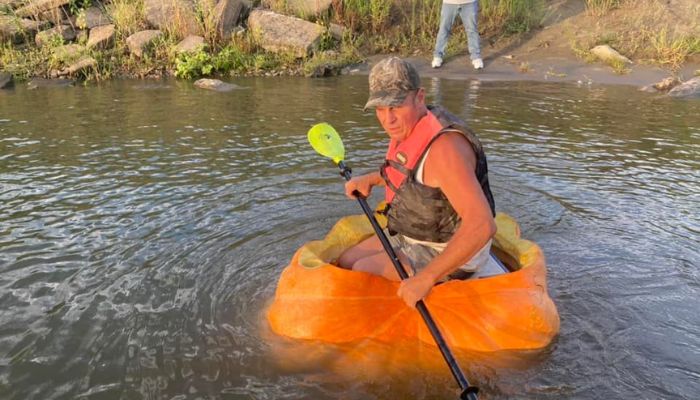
326	141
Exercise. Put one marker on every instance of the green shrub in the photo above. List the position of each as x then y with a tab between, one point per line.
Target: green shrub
233	58
193	64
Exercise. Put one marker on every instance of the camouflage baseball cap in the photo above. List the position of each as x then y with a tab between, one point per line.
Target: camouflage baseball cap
390	81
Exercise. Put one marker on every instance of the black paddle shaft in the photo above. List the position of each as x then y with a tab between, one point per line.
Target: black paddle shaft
468	392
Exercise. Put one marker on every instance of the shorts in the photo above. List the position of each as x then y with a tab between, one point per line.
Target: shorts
420	253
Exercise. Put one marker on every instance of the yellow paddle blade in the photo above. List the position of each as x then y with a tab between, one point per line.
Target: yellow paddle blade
326	141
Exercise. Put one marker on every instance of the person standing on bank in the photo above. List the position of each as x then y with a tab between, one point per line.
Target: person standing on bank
468	11
440	207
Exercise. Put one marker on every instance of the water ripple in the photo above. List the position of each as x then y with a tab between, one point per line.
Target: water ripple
142	233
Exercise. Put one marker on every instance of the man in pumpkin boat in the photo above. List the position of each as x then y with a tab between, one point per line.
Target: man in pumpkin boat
440	207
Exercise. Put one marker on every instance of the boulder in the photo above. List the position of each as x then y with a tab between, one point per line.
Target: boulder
283	34
39	6
139	42
226	16
307	9
65	32
667	84
689	88
216	85
178	16
5	80
80	65
662	86
190	44
101	37
94	17
54	16
608	54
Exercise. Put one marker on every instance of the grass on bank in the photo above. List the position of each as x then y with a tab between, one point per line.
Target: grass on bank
375	26
646	47
26	62
407	27
512	16
241	56
23	63
128	16
646	31
410	26
673	50
601	7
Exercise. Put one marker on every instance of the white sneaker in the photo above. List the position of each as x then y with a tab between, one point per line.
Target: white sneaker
478	63
437	62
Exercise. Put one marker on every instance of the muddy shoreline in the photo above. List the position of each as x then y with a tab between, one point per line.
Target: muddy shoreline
549	69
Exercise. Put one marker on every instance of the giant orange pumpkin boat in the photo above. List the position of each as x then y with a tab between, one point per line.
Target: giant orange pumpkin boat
317	300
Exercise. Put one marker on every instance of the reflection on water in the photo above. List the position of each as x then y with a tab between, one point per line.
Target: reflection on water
143	228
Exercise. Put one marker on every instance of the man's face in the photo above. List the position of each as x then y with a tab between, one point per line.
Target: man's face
398	121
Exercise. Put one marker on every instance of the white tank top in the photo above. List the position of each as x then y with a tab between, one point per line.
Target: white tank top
483	263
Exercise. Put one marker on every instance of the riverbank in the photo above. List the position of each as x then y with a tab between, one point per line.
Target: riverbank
558	50
541	69
521	39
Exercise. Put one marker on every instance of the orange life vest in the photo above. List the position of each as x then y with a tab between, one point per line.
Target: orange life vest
414	209
405	155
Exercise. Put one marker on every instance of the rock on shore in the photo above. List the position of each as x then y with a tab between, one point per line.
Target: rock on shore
687	89
5	80
281	33
216	85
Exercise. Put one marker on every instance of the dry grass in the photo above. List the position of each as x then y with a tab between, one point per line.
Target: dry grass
620	67
410	26
602	7
127	15
511	16
33	61
673	51
647	31
186	22
22	64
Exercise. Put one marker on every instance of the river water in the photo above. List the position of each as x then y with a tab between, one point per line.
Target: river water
144	224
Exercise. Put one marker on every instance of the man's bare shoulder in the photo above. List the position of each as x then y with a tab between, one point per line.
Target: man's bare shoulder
450	156
452	147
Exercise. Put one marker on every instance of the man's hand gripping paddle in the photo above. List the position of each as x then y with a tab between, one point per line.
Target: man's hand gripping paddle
326	141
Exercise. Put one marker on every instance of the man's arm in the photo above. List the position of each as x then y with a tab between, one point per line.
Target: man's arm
364	184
